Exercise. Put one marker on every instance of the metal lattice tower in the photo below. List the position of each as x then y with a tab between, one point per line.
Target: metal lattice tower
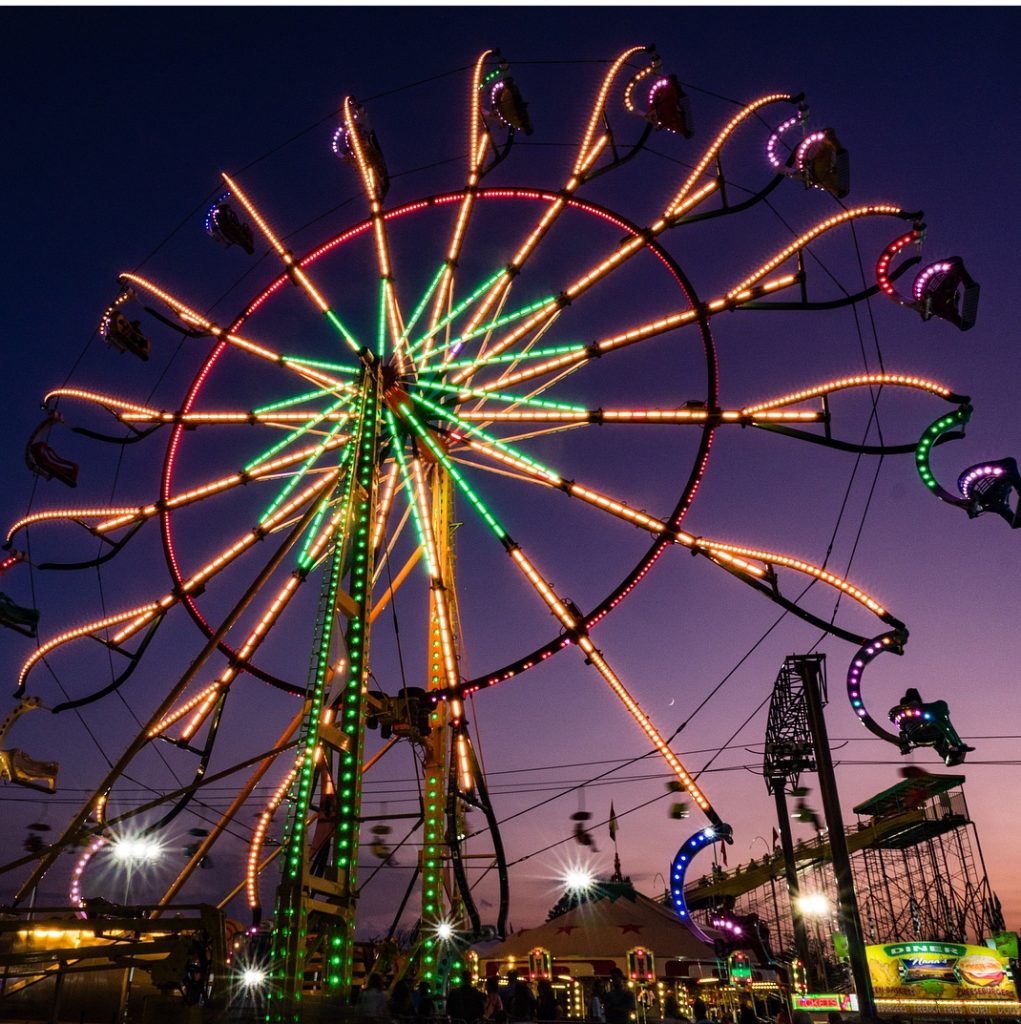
926	879
788	738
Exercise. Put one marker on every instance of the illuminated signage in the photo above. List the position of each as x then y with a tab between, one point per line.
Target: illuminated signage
936	971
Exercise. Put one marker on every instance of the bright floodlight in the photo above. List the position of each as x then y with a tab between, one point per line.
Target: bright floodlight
444	931
253	977
578	879
136	850
814	905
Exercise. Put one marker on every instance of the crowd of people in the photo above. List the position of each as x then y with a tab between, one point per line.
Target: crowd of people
515	1002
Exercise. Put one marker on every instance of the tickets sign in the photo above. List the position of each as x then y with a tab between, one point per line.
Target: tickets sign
845	1002
939	970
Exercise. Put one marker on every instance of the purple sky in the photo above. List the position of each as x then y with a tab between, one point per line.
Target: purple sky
123	121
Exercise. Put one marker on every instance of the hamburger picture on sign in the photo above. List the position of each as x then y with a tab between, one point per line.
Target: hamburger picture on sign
939	970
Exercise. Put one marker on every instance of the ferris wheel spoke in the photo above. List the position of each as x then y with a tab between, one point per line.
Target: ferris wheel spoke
681	202
763	412
375	189
594	142
112	404
196	320
478	145
294	270
135	619
574	356
684	201
741	292
596	659
277	414
253	868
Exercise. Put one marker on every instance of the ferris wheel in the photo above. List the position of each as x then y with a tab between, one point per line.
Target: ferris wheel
446	406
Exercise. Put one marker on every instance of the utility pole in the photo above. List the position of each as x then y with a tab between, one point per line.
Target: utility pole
811	670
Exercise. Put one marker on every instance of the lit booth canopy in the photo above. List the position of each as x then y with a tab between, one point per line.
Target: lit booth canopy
624	929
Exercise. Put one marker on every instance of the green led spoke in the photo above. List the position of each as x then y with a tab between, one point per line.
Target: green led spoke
512	357
420	308
455	312
472	428
304	560
466	489
297	432
323	364
538	403
298	474
344	332
409	486
501	321
297	400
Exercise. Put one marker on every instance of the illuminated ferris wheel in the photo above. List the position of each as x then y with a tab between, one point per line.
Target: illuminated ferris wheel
455	395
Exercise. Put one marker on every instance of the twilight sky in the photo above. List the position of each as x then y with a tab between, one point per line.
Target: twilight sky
118	123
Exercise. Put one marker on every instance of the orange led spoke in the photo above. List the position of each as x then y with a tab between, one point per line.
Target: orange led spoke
478	143
650	330
675	206
571	623
653	734
726	552
294	270
592	145
238	479
872	210
635	416
259	833
196	419
143	614
466	777
196	320
109	402
387	491
174	716
373	192
855	381
70	515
